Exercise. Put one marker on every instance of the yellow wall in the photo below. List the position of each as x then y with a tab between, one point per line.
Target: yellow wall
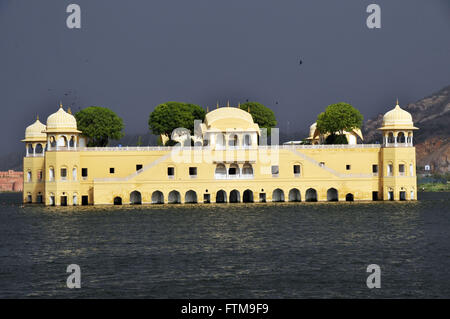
102	187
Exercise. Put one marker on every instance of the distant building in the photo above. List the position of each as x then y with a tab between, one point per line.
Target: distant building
227	164
427	167
11	181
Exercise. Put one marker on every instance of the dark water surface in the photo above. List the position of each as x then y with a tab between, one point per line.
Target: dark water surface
304	250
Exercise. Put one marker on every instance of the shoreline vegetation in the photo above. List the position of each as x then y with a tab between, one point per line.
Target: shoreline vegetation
434	187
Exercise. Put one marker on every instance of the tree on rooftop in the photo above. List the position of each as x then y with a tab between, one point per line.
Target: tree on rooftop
99	124
169	116
338	118
261	115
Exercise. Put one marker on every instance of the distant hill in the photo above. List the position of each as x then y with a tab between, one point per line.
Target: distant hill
432	116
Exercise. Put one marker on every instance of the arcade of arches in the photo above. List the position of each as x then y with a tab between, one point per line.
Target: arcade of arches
235	196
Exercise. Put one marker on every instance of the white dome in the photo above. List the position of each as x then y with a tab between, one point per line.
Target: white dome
397	118
35	131
61	121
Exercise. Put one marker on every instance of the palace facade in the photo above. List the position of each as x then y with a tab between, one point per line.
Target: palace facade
228	164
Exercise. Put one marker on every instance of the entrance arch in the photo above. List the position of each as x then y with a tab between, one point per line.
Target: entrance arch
190	197
332	195
278	195
135	198
157	197
221	196
174	197
311	195
349	197
247	197
117	200
294	195
235	196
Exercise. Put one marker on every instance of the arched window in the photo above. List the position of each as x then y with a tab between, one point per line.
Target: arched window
74	173
247	169
410	138
51	174
390	169
52	141
75	199
247	140
391	137
221	171
190	197
28	176
311	195
72	141
401	137
278	195
30	149
233	140
294	195
174	197
117	200
62	141
135	198
157	197
38	149
220	140
221	196
247	197
235	196
332	195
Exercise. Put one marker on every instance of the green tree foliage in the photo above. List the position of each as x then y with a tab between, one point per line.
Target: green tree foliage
171	115
261	114
99	124
338	118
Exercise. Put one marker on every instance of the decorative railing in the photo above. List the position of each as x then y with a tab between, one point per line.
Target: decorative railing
234	177
209	148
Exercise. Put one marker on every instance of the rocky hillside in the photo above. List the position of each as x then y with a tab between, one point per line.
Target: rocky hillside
432	116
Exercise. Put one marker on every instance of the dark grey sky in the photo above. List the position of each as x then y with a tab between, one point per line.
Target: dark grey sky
132	55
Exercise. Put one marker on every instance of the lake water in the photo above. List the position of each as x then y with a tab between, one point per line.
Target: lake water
290	250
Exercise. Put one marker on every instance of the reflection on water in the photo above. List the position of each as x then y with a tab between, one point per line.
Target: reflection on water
283	250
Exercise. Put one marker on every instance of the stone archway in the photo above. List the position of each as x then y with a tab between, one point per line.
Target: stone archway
190	197
247	197
349	197
135	198
117	200
311	195
278	195
174	197
221	196
294	195
157	197
332	195
235	196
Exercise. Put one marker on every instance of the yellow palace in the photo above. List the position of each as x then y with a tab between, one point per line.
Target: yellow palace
226	165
